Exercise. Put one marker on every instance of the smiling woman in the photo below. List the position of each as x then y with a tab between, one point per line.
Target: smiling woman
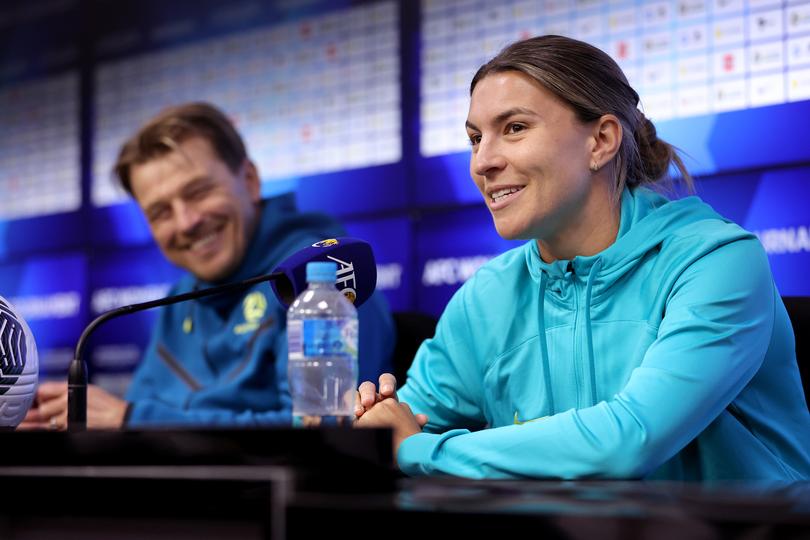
621	340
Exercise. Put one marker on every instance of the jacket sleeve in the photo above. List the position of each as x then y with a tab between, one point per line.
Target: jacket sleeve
444	379
711	342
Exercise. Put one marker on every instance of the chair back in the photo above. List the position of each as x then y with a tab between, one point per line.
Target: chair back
412	329
798	308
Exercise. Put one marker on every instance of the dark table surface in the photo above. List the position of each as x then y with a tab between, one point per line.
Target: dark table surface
341	483
564	509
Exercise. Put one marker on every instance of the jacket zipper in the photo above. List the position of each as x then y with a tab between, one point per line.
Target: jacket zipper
575	345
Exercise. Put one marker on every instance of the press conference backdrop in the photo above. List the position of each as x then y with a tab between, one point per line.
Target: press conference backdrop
358	106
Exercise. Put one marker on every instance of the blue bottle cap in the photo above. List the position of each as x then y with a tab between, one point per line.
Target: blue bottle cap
321	271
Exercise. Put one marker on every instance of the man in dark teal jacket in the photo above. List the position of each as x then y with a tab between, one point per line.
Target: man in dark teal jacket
220	360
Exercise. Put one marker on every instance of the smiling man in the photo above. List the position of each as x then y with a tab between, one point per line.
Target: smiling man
220	360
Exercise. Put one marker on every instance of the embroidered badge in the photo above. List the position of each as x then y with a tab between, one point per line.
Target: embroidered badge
253	308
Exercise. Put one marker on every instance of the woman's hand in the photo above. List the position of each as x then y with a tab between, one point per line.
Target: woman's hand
367	394
395	415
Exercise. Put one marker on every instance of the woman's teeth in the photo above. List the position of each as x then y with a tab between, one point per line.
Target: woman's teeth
503	193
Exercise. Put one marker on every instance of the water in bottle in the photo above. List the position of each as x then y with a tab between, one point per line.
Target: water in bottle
322	343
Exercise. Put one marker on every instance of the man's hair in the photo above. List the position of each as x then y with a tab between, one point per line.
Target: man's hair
164	133
591	83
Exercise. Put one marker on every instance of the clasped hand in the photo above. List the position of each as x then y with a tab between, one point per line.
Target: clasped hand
382	409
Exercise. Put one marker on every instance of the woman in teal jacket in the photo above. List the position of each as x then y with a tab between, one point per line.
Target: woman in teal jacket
632	336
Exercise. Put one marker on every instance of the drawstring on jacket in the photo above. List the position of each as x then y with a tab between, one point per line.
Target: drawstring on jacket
543	345
588	333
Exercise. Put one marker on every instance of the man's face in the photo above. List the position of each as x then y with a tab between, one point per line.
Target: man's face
201	214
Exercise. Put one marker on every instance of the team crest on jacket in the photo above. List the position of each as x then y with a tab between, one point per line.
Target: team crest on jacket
253	308
326	243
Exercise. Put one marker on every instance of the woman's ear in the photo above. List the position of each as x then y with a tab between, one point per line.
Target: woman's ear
607	138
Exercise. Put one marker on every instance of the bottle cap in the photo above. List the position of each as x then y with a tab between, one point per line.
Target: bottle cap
321	271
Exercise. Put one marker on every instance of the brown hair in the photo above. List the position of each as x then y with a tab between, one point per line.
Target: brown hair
592	84
163	133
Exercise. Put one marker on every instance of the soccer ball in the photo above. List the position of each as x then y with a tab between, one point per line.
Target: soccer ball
19	366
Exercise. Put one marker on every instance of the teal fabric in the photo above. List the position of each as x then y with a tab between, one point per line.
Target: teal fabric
667	355
233	371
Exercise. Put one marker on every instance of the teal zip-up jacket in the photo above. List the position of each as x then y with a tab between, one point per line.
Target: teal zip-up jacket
222	360
668	355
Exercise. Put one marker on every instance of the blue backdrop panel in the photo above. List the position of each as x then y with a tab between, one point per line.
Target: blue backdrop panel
757	137
119	225
450	246
122	278
772	204
391	239
50	293
40	234
372	189
445	180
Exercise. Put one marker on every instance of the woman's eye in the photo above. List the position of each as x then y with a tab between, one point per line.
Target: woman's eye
515	128
475	139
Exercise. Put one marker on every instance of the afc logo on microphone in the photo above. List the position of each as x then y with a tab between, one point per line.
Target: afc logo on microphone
326	243
345	281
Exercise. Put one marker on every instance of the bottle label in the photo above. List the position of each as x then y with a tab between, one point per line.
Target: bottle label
321	337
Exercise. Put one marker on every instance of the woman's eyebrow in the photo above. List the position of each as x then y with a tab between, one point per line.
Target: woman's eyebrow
504	116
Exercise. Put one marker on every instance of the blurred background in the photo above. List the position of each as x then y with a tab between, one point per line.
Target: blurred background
359	107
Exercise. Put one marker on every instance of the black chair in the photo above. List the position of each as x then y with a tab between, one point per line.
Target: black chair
412	329
798	308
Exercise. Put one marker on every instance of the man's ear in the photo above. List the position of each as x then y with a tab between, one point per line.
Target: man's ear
607	138
254	183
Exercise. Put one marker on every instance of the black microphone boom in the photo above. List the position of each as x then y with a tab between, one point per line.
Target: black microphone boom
77	373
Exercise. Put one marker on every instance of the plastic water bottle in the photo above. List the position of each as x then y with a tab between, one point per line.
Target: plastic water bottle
322	343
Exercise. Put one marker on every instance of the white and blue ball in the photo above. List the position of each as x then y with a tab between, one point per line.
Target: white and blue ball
19	366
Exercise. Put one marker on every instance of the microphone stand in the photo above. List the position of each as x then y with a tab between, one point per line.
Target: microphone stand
77	373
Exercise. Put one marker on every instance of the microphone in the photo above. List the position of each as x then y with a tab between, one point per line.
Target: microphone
19	366
356	273
356	278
